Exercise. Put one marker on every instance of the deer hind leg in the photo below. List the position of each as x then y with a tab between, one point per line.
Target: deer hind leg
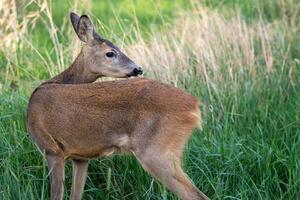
79	176
56	166
166	167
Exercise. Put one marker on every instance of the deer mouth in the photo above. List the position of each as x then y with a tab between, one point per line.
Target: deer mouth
135	72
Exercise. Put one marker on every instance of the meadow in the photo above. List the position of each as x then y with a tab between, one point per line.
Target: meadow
241	59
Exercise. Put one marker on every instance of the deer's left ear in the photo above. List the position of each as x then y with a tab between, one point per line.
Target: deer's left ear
83	27
74	19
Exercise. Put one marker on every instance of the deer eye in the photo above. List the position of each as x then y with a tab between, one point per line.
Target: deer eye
110	54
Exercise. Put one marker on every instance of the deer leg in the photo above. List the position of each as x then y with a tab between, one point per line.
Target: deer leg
79	176
166	167
56	166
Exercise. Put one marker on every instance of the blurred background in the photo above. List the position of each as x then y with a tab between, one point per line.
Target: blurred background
241	59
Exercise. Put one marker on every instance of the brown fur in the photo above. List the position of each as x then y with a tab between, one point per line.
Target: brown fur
106	111
139	115
69	119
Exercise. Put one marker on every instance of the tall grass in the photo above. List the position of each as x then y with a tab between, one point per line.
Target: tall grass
246	74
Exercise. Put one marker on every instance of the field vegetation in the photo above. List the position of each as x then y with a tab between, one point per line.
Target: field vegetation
241	59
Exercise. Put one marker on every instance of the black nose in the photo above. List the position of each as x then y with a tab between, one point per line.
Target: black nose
137	71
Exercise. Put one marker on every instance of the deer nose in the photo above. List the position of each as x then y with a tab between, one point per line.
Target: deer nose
137	71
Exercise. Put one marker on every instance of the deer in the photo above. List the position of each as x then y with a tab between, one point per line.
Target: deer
72	117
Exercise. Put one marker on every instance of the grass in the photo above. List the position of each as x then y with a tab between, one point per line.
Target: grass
243	63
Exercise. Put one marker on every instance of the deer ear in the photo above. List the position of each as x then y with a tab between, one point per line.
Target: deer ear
83	27
74	19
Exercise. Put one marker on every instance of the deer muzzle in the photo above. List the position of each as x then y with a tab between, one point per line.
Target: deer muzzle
135	72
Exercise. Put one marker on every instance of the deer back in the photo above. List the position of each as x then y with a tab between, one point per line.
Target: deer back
90	120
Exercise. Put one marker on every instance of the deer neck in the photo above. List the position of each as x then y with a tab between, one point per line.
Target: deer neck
77	73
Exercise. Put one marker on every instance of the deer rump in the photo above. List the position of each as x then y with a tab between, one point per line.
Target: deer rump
91	120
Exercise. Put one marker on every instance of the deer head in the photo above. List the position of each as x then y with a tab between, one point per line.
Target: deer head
101	57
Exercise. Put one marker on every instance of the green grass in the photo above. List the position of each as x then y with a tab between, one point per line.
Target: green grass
249	145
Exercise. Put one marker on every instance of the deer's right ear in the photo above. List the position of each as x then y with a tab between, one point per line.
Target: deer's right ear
83	27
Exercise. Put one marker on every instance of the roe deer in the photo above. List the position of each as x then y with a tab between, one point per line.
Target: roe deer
149	119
